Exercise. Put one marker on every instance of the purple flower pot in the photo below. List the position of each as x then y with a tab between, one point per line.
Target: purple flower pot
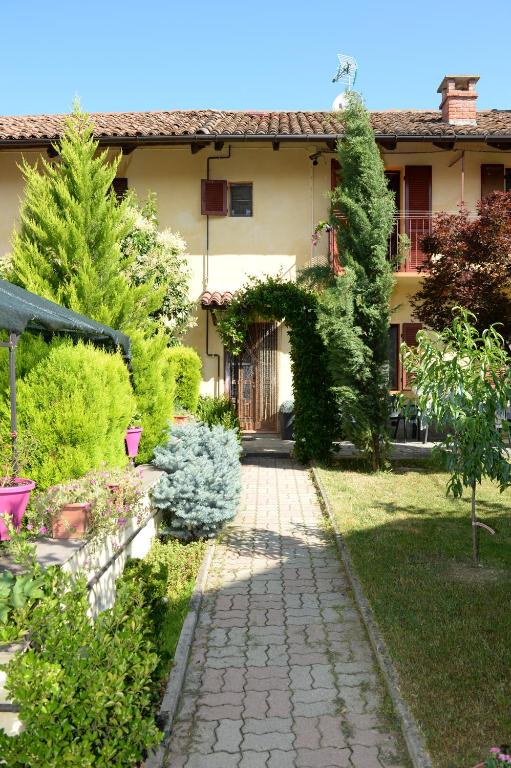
14	500
132	440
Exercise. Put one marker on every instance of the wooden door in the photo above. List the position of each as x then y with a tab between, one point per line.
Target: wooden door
253	380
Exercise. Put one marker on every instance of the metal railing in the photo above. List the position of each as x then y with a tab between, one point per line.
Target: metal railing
405	241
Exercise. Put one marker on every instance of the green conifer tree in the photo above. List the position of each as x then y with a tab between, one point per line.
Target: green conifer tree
354	308
67	248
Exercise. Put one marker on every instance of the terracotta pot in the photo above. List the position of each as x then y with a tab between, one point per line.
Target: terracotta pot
13	500
180	419
132	440
72	521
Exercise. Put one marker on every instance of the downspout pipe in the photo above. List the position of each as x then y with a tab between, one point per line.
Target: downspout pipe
11	346
206	274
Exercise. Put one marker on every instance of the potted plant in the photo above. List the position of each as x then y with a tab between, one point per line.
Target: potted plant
91	507
286	417
181	415
14	491
133	435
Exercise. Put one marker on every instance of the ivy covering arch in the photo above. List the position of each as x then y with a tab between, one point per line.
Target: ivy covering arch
277	299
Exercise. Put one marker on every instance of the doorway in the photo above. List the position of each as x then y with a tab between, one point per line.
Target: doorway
252	379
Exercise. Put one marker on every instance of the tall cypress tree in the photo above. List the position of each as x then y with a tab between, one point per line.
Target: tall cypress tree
67	248
355	314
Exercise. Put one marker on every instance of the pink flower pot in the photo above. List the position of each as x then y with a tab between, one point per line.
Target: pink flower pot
14	500
72	521
132	440
180	419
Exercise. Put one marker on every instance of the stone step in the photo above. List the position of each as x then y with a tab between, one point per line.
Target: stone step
9	717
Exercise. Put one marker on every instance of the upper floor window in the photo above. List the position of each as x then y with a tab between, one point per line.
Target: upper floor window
241	200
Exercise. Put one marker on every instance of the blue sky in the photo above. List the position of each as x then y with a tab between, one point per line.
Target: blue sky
237	55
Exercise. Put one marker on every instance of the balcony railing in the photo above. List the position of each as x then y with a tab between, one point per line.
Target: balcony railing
406	239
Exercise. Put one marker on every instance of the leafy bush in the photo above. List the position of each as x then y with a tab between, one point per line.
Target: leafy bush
18	595
154	384
188	372
84	688
165	578
76	404
200	489
218	410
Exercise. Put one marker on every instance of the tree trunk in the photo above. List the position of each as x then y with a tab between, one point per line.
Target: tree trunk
475	547
376	457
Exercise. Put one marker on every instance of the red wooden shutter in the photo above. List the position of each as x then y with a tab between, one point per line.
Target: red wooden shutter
213	197
409	336
120	187
492	178
335	169
418	211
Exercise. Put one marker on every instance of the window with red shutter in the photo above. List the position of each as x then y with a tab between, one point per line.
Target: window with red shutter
213	197
418	193
492	178
335	170
409	336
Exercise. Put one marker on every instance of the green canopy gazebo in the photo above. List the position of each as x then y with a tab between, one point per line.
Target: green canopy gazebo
21	310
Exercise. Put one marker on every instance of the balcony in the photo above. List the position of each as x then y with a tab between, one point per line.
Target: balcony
406	238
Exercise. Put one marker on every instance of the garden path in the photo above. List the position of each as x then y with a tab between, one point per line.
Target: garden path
281	673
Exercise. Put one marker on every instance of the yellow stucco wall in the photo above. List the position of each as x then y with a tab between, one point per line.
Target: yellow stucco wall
290	195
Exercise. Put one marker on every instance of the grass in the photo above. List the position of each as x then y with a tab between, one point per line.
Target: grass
447	624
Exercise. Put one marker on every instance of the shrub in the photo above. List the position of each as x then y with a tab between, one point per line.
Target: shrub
154	385
218	410
76	404
165	578
188	372
200	489
84	688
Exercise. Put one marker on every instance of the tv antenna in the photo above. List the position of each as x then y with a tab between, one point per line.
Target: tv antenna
346	71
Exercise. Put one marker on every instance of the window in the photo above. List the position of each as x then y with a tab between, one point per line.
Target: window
394	357
241	199
214	197
120	187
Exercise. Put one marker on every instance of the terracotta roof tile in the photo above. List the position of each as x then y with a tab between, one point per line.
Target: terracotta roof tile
215	299
215	123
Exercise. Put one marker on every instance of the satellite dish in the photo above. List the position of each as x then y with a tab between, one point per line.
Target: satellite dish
340	102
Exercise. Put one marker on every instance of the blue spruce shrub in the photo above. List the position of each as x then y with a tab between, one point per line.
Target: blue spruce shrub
201	487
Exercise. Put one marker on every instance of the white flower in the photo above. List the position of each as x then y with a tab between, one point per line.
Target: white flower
171	240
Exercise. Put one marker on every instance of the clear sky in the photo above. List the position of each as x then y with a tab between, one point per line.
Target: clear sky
157	54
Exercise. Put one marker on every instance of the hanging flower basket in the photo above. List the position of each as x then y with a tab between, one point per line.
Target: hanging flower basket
14	497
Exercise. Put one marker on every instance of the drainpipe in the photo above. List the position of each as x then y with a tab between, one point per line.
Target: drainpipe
206	262
205	280
216	385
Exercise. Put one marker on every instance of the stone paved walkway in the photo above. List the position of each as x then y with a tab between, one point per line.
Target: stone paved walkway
281	673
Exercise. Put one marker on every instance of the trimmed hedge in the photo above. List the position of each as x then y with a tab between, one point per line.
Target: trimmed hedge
155	385
75	404
200	490
188	373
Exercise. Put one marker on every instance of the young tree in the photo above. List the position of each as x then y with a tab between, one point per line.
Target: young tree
354	309
67	248
469	265
463	384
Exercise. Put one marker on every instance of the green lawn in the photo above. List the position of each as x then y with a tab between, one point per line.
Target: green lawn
446	623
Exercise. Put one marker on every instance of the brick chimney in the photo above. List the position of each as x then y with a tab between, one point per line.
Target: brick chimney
459	99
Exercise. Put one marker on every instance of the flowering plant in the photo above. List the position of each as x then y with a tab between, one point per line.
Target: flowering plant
112	496
160	256
498	757
321	226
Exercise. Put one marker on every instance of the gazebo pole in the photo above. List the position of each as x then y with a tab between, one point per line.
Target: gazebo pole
13	341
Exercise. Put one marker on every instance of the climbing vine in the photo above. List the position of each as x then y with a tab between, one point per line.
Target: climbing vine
274	298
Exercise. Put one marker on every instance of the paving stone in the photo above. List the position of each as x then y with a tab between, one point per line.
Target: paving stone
267	725
228	736
218	760
307	732
255	704
264	741
254	759
324	758
280	759
279	703
365	757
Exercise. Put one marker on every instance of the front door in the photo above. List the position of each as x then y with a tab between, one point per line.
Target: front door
253	379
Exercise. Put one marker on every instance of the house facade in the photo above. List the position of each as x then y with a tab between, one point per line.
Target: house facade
246	190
